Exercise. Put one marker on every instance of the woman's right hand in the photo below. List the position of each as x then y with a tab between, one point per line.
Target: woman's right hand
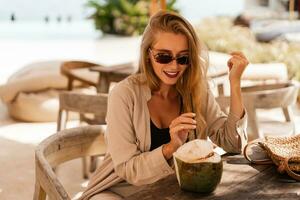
179	129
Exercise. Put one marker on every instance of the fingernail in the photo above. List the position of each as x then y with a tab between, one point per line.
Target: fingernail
194	122
194	126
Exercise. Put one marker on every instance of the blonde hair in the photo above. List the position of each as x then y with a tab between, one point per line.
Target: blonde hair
192	85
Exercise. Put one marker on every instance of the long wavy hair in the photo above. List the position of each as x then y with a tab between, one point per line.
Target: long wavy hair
192	85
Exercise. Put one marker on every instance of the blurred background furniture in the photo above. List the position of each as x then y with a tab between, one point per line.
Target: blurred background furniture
267	96
66	145
78	71
97	75
90	107
265	73
110	74
31	93
264	86
89	74
91	110
85	73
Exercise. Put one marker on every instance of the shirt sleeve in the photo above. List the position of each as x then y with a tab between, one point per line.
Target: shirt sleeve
227	131
130	163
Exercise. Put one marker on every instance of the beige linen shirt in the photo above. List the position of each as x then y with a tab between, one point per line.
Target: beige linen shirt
128	137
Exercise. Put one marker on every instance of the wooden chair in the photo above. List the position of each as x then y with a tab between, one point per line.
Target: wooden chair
79	71
89	74
76	71
113	73
91	109
92	74
82	104
67	145
266	96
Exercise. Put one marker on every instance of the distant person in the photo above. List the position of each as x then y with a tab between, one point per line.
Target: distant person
167	103
13	17
58	18
69	18
47	19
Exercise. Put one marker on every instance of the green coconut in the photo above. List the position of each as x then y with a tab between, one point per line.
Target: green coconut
198	168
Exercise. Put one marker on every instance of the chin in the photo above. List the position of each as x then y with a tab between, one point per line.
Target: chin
169	82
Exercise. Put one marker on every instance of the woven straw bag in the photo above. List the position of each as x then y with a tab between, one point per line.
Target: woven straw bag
283	152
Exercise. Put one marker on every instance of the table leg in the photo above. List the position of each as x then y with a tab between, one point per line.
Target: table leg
221	89
252	129
103	83
289	117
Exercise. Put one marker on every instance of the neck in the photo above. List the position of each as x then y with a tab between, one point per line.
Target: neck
166	92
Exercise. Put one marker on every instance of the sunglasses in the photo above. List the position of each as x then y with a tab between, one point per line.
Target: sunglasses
166	58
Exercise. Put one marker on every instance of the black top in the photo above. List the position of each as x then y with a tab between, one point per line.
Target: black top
159	136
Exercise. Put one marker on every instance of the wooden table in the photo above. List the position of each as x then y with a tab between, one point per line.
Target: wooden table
114	73
239	181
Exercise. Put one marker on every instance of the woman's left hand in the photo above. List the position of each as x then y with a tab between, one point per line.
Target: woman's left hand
237	64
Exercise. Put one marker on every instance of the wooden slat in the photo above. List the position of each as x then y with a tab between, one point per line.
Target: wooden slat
76	149
271	96
68	67
83	103
58	148
107	75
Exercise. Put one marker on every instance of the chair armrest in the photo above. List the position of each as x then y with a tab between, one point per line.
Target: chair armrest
64	146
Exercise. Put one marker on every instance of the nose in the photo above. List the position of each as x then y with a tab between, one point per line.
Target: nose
174	64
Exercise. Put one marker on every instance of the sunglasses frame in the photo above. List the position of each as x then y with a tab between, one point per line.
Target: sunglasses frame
171	56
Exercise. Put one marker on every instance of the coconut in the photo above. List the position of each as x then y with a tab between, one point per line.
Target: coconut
198	168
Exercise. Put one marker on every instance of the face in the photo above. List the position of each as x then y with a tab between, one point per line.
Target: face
169	57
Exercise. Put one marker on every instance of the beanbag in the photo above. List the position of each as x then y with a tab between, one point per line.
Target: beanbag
35	106
31	94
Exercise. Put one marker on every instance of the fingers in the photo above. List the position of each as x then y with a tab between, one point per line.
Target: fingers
190	114
237	59
238	53
186	118
233	60
230	63
180	127
183	127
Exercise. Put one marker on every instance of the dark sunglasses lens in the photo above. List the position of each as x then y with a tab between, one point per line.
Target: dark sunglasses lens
183	60
163	58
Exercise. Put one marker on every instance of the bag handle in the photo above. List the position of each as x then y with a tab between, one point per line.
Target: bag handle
289	171
260	162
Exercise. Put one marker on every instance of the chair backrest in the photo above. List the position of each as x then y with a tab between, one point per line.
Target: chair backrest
59	148
113	73
271	95
267	96
73	71
82	104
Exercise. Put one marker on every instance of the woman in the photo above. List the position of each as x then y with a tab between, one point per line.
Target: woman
152	113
